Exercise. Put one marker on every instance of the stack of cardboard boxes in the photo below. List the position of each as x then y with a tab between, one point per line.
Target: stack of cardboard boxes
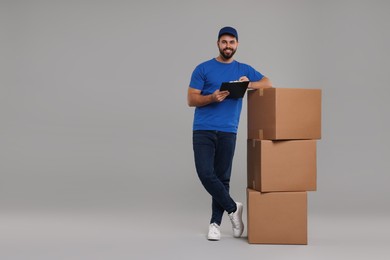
283	126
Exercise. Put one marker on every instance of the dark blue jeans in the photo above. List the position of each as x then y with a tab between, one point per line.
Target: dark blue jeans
213	152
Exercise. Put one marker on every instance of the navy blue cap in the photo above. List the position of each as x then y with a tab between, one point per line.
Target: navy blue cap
228	30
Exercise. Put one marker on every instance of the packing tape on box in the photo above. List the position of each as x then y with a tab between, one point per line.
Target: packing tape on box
253	143
261	134
261	92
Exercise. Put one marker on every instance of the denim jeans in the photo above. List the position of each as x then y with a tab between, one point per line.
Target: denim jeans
213	152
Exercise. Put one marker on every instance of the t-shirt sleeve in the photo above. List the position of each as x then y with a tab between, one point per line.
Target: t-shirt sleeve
254	75
197	78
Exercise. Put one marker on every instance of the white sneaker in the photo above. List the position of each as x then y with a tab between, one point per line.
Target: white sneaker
236	219
214	233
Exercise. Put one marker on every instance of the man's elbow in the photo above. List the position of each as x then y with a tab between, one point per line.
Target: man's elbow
190	102
267	83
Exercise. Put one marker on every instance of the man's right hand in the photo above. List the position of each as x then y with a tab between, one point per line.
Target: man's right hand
219	96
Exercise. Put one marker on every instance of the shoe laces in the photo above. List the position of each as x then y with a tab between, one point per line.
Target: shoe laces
234	220
214	228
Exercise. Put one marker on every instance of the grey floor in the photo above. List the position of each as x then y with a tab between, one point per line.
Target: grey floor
179	234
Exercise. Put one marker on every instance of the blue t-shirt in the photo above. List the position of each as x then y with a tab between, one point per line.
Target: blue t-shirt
207	77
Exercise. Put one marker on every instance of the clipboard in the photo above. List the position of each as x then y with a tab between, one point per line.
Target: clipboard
236	89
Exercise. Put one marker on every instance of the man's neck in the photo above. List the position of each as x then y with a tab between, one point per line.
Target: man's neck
223	60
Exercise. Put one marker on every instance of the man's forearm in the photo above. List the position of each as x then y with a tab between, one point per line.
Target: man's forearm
198	100
263	83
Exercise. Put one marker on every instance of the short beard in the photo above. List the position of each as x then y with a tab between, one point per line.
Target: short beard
226	57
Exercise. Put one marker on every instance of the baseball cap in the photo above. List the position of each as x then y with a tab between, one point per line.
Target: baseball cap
228	30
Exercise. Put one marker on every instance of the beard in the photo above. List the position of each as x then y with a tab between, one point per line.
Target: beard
226	54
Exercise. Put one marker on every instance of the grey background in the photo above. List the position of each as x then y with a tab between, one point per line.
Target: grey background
94	121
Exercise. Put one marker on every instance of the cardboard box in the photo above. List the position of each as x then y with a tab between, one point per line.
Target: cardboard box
277	217
284	113
282	165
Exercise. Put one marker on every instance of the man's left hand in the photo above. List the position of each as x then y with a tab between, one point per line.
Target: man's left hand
243	78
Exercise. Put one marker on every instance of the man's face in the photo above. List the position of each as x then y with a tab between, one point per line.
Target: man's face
227	46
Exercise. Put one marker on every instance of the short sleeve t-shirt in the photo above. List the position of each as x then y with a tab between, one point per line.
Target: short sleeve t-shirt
207	77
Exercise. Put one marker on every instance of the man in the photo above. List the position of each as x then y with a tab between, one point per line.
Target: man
215	126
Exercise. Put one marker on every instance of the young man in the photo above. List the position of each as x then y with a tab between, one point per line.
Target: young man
215	126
